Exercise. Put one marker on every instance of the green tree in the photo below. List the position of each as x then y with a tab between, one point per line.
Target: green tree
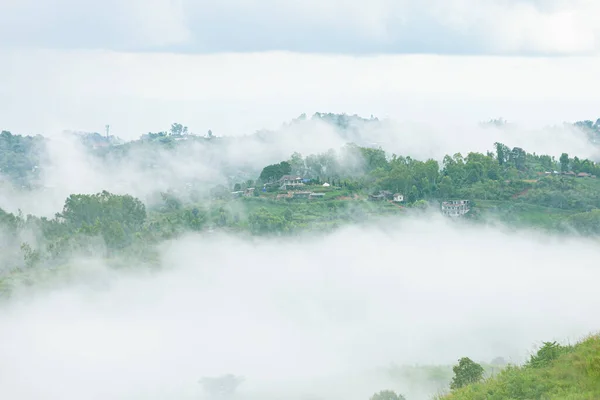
445	187
30	256
297	164
549	352
387	395
466	372
517	157
274	172
564	162
502	152
178	129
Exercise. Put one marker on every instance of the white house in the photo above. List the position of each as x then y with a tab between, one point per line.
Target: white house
398	198
456	208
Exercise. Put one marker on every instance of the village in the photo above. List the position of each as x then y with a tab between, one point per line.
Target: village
294	188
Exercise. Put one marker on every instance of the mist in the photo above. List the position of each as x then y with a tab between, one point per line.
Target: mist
298	316
319	316
238	93
143	171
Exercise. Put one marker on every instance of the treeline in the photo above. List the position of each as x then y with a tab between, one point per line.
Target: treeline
498	175
109	224
20	157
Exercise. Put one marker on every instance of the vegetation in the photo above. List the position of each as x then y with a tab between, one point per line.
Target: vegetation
554	372
387	395
466	372
519	188
354	185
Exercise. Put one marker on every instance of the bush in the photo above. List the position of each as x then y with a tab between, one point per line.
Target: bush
387	395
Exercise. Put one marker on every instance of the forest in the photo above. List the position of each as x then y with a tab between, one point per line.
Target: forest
521	189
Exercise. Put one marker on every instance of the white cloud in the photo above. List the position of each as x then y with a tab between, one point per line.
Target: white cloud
479	26
136	93
284	313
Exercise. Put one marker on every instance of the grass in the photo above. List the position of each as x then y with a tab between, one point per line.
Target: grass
523	214
573	375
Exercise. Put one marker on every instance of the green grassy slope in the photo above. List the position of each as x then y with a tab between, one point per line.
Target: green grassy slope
574	374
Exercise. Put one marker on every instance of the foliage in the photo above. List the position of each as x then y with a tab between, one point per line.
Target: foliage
570	372
20	157
387	395
549	352
272	173
466	372
510	185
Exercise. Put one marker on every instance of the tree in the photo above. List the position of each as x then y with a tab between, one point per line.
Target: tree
445	187
564	162
517	158
387	395
178	129
466	372
274	172
549	352
502	152
297	164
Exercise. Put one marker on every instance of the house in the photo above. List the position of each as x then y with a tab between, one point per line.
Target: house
382	195
398	198
456	208
316	195
237	193
376	197
386	194
583	175
290	182
301	195
249	192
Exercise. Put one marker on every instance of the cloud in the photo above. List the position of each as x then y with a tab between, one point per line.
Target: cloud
93	24
137	93
334	26
286	314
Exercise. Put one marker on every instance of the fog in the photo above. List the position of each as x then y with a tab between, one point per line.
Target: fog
321	315
234	94
143	171
294	317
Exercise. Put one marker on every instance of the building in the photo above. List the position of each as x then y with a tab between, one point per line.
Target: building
382	195
387	194
398	198
456	208
301	195
249	192
316	195
290	182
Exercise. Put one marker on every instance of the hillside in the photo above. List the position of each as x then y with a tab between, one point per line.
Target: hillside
556	372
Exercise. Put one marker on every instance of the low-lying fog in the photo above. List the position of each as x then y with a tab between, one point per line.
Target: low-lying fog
300	317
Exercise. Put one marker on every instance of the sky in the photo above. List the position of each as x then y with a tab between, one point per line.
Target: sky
236	66
508	27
